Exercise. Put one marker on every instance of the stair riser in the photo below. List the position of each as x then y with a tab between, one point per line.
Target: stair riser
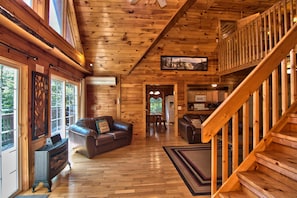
290	127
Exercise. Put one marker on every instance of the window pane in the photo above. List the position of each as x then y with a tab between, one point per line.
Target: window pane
56	15
156	105
28	2
56	106
8	98
69	35
71	105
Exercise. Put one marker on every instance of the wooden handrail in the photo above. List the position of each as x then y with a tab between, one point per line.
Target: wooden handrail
250	84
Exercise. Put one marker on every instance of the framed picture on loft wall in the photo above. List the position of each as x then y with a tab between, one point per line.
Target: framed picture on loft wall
39	105
189	63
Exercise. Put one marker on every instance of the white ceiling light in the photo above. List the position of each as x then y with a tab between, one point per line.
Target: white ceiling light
157	93
162	3
133	2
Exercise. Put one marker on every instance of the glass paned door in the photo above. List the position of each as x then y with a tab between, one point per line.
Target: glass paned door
9	132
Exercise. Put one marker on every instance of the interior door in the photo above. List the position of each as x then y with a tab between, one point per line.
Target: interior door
9	131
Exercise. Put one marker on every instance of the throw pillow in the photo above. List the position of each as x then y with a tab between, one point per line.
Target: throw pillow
102	126
196	123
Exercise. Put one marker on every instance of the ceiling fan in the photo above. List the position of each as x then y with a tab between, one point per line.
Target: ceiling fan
162	3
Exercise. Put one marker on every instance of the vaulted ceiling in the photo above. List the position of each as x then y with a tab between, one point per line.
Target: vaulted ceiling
116	34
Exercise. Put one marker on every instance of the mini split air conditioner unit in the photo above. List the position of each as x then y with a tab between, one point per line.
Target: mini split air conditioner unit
96	80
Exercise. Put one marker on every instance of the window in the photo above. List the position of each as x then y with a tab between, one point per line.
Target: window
156	105
56	15
68	36
28	2
64	108
8	98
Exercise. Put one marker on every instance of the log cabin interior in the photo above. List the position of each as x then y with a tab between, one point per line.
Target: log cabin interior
65	60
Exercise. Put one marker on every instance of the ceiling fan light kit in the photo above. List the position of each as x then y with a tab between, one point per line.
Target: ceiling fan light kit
162	3
133	2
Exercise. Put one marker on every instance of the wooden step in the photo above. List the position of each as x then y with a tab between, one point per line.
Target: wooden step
284	163
242	193
276	176
287	138
292	118
265	186
235	194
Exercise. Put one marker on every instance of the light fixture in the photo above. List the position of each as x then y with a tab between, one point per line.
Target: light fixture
157	93
162	3
214	85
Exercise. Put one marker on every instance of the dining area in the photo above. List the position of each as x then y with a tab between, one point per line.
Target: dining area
159	108
155	122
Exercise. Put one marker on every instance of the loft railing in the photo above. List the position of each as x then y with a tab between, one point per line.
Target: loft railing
247	115
251	43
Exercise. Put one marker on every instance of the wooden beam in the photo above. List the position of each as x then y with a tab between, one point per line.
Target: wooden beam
166	29
28	25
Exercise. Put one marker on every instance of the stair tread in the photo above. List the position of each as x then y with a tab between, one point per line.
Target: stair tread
287	161
235	194
260	183
290	135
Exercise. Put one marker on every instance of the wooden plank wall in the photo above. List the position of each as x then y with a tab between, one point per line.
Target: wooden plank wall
102	100
194	35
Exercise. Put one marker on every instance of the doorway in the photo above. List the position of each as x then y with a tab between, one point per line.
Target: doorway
159	108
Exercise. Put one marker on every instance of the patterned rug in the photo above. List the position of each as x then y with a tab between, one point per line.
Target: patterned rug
193	163
31	196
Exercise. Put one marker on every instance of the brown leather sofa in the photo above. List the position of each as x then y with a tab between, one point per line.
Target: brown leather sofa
85	138
189	127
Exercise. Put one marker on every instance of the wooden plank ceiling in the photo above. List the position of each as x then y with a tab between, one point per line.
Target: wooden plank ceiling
116	34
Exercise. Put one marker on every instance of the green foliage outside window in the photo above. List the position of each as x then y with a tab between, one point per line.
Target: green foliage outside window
156	105
7	76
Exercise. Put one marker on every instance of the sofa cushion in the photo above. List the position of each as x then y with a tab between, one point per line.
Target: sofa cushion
87	123
104	139
196	123
118	135
102	126
189	117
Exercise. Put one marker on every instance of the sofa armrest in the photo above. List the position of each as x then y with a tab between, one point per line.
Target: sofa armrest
83	131
123	126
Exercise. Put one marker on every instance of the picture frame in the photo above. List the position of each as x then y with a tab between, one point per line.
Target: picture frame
200	98
39	105
186	63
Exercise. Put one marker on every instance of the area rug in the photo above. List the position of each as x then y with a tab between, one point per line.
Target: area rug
193	163
32	196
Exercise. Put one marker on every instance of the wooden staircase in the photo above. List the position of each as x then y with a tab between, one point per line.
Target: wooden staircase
274	173
260	113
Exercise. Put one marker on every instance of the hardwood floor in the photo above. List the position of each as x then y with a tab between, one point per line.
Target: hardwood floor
141	169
